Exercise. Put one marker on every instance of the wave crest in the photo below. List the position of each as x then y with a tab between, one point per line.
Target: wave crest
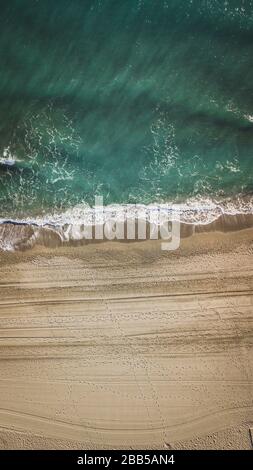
75	225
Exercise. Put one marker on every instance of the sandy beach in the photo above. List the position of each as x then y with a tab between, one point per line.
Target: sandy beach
121	345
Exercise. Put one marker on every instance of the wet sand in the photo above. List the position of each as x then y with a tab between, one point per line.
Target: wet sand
121	345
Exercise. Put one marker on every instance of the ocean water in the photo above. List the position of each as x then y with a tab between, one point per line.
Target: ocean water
138	101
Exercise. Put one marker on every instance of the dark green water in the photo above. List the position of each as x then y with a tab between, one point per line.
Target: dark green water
139	101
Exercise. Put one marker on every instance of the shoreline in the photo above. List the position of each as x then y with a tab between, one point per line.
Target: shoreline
18	236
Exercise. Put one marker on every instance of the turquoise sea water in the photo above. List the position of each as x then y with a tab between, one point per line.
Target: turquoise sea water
139	101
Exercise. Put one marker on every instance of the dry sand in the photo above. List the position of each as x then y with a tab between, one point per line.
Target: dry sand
124	346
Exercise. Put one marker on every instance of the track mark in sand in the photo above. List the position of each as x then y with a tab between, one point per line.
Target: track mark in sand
74	300
130	358
133	361
97	429
141	362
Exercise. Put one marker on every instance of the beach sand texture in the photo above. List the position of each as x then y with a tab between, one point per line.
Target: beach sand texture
121	345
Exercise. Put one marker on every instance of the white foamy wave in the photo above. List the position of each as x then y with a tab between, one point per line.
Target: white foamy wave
75	224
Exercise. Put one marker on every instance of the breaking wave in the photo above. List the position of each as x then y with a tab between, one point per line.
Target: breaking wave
76	226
